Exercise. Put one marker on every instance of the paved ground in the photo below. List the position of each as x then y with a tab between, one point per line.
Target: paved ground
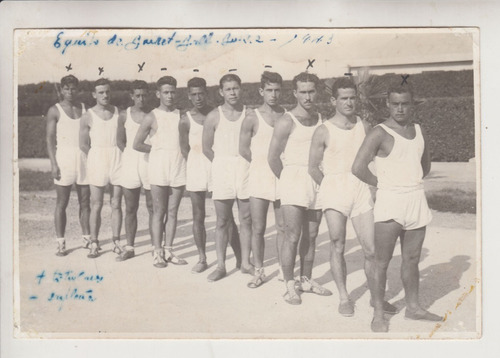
134	299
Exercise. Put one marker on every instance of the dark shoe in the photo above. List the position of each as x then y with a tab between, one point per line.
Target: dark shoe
217	274
125	255
199	267
346	309
388	308
422	315
380	325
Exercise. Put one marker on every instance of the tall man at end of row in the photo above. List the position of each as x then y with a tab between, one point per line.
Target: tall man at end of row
402	160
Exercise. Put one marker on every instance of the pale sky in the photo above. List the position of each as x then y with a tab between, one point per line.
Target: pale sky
288	51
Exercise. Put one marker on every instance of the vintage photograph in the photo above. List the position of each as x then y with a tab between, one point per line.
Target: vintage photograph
247	183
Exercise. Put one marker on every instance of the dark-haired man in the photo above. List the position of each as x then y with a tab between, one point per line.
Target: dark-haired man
98	140
67	160
255	138
198	167
402	160
167	168
292	137
221	134
342	195
134	174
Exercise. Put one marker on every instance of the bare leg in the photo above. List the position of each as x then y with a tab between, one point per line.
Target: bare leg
245	234
62	199
280	229
411	248
83	193
199	231
149	206
293	219
258	210
311	223
173	208
234	237
336	222
223	210
386	235
160	204
96	202
116	213
131	206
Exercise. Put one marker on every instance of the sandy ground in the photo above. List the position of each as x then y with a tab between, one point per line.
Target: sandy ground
81	297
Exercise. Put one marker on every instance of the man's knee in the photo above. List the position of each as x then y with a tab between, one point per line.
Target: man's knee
337	240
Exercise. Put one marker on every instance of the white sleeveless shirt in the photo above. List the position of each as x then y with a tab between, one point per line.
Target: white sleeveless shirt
402	169
227	135
103	132
166	136
299	143
195	134
131	128
342	147
261	140
68	129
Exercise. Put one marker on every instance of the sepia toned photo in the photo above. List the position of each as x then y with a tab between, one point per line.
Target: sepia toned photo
247	183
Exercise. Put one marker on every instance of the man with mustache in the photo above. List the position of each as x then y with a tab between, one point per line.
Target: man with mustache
98	129
292	137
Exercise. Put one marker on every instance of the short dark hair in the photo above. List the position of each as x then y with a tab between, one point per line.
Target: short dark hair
305	77
230	77
139	84
66	80
270	77
197	82
400	88
342	82
101	82
166	80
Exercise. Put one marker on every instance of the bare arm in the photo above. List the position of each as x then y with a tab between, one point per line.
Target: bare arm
366	153
209	127
142	133
184	135
246	134
282	130
121	133
426	156
85	133
318	146
368	127
52	118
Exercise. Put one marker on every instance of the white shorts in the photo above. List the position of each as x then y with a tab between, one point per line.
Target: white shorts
230	178
198	176
346	194
134	172
409	209
298	188
262	183
167	168
104	166
72	164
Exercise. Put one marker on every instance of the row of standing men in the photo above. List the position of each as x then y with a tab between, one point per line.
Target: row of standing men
294	160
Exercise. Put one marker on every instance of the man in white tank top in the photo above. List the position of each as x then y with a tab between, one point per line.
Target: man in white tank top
255	137
98	140
67	160
292	137
402	161
342	195
198	167
167	169
134	172
221	133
